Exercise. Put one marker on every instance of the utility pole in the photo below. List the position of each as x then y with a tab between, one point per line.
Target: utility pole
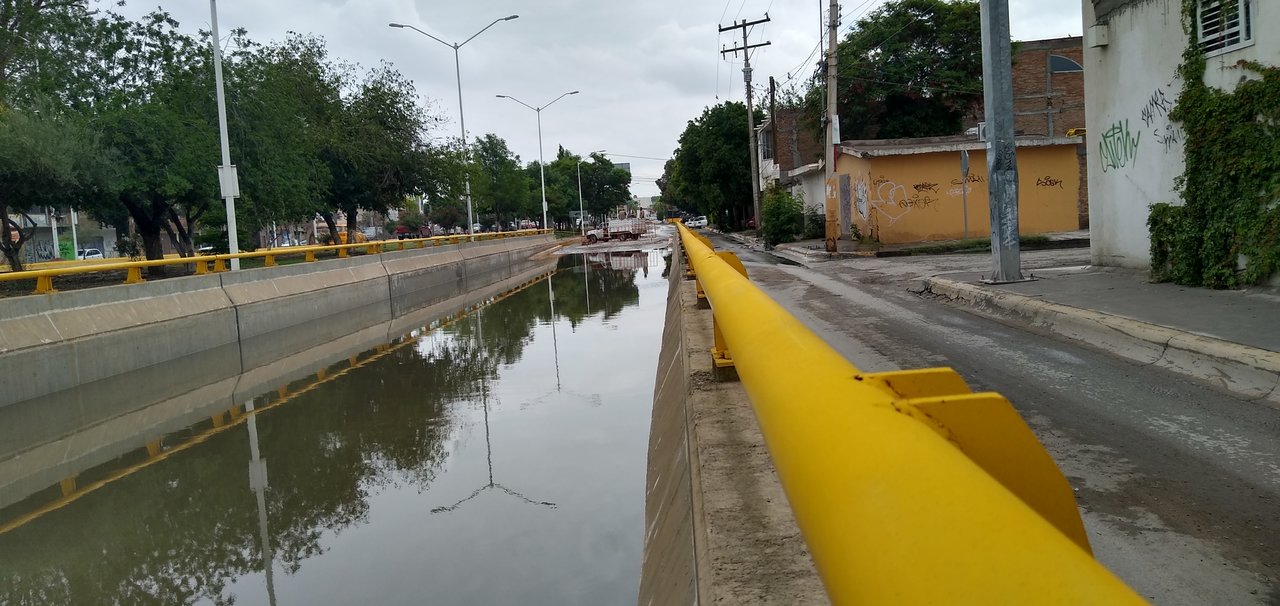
1002	161
773	120
833	130
751	118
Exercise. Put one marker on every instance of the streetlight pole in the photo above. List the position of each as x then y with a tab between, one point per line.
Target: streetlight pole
462	121
542	165
582	216
227	179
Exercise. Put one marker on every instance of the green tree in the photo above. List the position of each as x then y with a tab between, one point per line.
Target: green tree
783	216
46	160
711	170
499	187
911	68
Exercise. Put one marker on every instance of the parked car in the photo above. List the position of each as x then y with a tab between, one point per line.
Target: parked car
699	221
89	253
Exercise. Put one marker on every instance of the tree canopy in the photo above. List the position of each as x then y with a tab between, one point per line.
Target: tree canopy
911	68
711	171
311	135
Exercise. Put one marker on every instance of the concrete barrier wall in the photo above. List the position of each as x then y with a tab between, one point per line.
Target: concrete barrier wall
669	569
55	344
124	420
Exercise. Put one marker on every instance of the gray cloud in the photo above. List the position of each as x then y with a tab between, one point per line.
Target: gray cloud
644	68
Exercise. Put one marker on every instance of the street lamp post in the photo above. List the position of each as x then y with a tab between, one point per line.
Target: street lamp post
582	216
462	121
542	165
227	179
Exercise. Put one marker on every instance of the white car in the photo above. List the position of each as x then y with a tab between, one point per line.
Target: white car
89	253
697	222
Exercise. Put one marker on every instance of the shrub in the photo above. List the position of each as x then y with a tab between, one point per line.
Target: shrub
783	216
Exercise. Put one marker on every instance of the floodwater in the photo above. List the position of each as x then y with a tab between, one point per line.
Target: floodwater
492	457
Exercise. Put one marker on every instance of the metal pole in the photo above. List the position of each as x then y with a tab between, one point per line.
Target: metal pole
1002	161
581	219
964	190
226	172
466	153
542	168
833	132
75	239
53	230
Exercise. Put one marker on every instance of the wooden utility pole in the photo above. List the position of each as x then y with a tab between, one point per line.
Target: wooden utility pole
773	121
751	118
832	201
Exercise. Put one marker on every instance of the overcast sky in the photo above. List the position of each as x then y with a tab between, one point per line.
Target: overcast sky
645	68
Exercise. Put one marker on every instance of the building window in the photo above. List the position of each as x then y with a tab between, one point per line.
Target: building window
1225	25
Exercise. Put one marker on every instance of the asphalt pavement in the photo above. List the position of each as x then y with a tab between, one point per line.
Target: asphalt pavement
1178	482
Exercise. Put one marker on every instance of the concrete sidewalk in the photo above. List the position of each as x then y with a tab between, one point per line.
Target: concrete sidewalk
1230	339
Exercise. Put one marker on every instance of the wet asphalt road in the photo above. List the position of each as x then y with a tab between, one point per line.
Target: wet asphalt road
1179	484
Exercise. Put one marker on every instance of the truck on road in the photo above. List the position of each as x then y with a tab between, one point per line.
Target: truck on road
619	229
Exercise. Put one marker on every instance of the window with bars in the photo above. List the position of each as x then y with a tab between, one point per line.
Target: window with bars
1225	25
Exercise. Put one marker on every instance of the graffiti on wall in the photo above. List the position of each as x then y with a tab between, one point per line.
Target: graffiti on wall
1049	181
958	188
893	201
1119	146
846	205
1155	118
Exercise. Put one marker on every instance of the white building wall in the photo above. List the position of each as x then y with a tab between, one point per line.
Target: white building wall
810	186
1135	153
1131	83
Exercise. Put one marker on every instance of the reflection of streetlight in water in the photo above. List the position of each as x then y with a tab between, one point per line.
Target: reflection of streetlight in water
488	446
258	482
489	457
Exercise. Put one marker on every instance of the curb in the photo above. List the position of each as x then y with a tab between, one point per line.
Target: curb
1248	372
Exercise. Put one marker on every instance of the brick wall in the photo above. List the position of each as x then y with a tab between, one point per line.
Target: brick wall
797	144
1039	99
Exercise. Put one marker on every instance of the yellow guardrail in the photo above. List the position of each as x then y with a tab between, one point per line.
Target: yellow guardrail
907	487
218	263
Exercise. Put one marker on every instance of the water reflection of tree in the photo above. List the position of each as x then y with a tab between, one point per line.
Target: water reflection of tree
608	290
178	531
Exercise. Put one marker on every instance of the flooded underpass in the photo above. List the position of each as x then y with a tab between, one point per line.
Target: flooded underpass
493	455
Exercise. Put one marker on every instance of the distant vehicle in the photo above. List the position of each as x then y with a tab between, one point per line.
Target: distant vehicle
89	253
699	221
619	229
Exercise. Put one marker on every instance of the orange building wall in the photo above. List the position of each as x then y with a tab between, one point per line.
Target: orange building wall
917	197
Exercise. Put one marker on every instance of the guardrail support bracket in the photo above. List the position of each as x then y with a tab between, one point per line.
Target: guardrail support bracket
44	285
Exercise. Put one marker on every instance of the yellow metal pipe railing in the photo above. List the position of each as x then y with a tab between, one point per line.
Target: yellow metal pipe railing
907	487
202	263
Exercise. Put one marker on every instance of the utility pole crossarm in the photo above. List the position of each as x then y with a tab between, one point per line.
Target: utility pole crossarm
744	24
736	49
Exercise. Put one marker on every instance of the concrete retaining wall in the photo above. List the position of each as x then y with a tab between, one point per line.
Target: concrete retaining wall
71	437
62	343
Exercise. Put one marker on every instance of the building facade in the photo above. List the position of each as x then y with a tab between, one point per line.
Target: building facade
1133	49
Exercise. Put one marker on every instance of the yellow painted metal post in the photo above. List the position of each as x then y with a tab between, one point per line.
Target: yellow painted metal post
68	486
270	261
219	265
311	256
202	267
134	276
342	253
153	448
44	285
720	351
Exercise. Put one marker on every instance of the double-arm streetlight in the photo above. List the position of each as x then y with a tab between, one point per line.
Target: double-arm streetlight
582	217
462	121
542	165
